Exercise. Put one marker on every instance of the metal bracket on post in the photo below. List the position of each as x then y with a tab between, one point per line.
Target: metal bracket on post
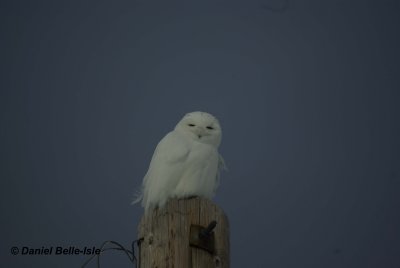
203	237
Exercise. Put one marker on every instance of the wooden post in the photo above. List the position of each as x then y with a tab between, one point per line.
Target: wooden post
176	236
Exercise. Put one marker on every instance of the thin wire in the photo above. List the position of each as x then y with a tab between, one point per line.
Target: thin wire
129	253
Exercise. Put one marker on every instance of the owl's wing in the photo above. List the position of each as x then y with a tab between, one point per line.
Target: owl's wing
221	166
165	170
221	163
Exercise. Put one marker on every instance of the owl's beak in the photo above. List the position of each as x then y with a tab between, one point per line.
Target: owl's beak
199	132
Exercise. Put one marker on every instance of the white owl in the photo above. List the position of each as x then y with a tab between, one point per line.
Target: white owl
185	162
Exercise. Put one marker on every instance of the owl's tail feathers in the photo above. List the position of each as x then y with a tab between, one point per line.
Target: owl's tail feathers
137	197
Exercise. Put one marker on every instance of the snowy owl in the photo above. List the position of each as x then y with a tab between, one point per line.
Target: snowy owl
185	162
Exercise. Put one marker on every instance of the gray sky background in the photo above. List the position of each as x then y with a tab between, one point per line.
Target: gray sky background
308	99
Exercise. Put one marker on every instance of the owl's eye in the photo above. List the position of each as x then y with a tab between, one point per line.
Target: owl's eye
210	127
191	125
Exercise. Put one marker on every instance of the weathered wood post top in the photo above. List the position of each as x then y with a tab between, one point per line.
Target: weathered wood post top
186	233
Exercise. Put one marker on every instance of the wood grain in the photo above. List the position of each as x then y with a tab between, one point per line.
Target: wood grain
165	234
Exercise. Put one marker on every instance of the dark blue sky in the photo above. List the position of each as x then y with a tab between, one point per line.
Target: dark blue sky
307	94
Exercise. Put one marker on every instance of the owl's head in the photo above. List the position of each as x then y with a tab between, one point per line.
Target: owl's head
202	127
